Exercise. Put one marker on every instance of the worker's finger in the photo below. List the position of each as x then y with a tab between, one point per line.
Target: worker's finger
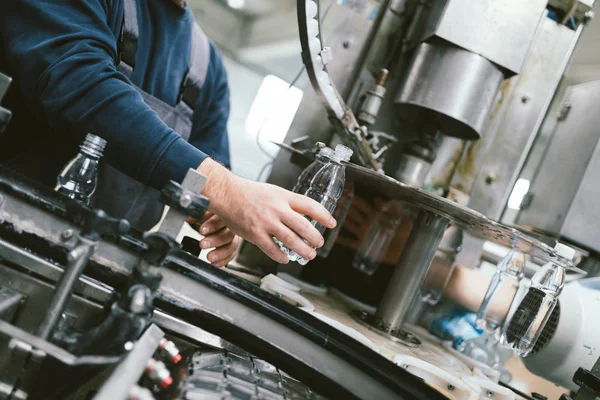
222	263
224	254
314	210
270	248
212	225
303	228
192	220
217	239
293	242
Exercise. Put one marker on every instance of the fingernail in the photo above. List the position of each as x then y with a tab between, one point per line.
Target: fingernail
321	242
313	254
204	230
211	258
333	222
205	244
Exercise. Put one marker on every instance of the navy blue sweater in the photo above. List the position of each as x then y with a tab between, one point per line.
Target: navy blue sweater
62	56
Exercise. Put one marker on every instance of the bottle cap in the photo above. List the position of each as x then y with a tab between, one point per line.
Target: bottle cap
326	152
565	251
342	153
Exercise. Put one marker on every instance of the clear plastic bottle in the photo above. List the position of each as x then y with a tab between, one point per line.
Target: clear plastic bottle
502	290
442	266
323	156
533	312
381	233
79	177
326	187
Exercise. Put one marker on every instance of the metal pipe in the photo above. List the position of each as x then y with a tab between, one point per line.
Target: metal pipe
77	260
410	270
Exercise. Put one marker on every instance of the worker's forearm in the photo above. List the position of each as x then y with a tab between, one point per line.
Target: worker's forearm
218	184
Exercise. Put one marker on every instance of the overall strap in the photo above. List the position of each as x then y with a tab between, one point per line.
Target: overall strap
129	36
197	67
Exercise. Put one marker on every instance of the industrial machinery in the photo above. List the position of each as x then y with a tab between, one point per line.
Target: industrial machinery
441	102
463	87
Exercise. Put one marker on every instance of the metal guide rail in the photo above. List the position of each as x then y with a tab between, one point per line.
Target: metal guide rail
37	224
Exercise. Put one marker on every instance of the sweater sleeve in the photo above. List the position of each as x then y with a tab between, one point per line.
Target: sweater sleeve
62	55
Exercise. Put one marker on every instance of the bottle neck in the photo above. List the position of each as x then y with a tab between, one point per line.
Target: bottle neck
93	146
90	154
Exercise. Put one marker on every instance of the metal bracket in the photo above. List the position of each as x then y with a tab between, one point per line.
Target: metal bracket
175	218
51	350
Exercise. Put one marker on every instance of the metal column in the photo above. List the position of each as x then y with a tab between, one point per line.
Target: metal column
410	271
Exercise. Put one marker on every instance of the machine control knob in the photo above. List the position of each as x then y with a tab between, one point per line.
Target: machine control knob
167	350
158	373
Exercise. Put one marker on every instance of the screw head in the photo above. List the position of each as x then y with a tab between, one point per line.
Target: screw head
346	44
185	200
588	16
525	99
491	178
67	234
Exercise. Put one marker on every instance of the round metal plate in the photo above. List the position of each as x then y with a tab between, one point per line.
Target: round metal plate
401	336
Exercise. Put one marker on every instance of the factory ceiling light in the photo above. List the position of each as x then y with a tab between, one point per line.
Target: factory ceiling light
236	3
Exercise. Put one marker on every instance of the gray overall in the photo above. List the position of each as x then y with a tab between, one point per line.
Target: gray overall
118	194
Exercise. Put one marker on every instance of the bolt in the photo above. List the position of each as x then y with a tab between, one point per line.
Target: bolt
346	44
525	99
67	234
489	393
491	178
185	200
451	387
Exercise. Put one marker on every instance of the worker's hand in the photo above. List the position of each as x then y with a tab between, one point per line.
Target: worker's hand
259	211
218	235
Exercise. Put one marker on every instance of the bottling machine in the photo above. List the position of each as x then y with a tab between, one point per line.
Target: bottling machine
441	102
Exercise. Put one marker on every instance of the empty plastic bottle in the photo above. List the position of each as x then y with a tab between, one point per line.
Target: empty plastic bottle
375	244
533	312
79	177
502	290
326	187
323	156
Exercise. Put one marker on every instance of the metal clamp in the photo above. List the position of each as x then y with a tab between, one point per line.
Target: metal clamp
184	200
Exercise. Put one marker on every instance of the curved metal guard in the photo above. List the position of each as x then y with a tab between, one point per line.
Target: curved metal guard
315	59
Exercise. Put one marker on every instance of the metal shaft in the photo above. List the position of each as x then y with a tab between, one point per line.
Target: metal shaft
410	270
78	258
